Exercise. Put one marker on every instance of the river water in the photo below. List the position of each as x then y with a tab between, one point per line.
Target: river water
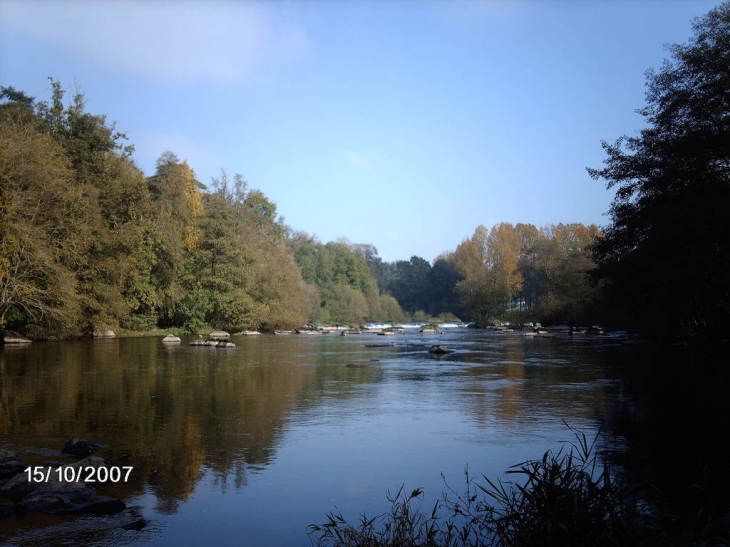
249	445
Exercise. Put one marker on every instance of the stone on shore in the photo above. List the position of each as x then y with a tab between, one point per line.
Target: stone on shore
12	337
104	332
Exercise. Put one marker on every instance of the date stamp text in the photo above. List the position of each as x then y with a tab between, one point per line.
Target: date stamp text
70	473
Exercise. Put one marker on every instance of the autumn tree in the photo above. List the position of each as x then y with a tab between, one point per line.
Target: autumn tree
470	258
664	259
564	258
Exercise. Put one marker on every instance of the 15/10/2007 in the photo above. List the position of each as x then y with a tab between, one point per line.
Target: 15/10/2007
70	473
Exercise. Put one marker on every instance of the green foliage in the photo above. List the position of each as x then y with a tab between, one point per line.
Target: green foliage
663	260
410	283
565	498
87	241
342	286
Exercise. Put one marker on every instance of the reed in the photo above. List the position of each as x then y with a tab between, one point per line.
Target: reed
567	498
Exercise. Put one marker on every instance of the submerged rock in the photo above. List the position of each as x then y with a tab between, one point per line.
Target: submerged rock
80	448
70	503
439	349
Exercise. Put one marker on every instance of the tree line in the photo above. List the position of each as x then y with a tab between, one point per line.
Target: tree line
88	241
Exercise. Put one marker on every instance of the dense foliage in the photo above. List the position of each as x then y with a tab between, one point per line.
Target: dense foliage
664	258
342	286
86	241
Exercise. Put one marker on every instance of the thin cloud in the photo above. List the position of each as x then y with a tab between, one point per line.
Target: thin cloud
173	42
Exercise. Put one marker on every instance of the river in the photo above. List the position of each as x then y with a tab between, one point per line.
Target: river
249	445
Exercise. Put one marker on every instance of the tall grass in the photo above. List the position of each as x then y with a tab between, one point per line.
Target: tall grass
566	498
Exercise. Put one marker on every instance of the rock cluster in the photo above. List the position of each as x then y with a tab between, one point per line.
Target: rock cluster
216	339
22	492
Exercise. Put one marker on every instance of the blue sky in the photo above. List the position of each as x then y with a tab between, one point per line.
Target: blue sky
402	124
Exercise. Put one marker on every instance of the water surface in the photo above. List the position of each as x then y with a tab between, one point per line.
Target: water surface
250	445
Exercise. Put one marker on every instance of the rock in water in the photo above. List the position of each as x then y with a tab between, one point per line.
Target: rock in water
439	349
80	448
10	464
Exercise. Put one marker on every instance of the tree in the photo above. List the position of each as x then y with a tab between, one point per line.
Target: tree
563	256
442	280
410	283
470	258
41	226
664	259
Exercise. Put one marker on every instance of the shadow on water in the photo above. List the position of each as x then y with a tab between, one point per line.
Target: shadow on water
674	416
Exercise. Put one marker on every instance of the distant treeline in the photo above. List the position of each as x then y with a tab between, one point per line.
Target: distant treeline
88	241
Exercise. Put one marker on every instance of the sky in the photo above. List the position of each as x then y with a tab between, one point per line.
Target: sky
403	124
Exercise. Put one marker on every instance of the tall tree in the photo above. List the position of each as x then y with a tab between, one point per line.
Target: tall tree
410	284
42	226
664	259
442	280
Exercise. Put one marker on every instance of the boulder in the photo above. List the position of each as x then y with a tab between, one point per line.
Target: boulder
171	339
104	332
10	464
16	487
219	335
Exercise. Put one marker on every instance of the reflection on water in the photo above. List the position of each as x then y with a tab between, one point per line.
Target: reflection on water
252	444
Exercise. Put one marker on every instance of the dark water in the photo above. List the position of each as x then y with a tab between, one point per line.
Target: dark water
248	446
